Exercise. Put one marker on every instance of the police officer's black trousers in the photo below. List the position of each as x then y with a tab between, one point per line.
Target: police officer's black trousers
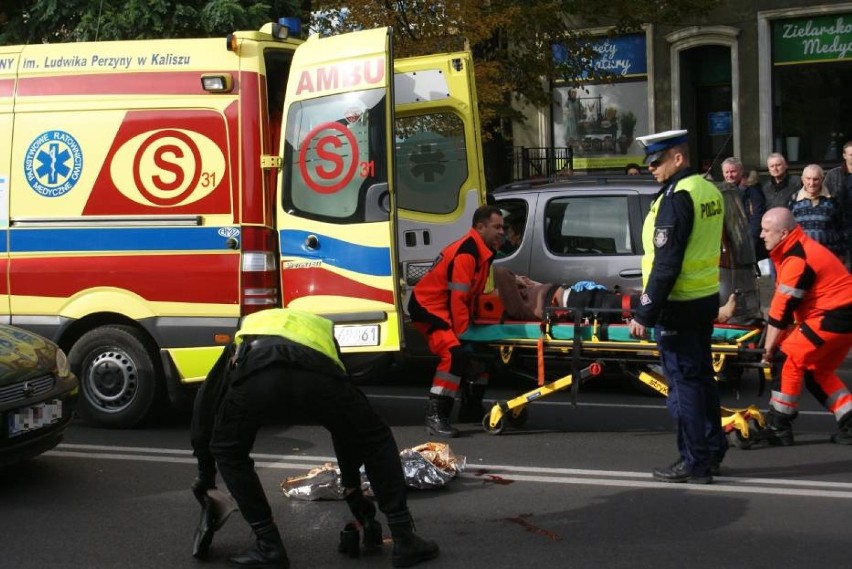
693	399
280	391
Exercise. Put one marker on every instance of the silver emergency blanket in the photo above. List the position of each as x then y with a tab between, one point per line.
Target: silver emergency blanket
322	483
427	466
430	465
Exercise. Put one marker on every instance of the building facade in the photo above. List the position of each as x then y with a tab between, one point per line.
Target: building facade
746	80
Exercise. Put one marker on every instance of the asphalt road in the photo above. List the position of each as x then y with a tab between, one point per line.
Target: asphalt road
572	488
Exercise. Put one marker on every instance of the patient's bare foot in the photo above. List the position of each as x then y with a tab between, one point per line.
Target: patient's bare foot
726	311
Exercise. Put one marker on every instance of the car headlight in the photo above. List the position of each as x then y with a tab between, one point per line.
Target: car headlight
62	367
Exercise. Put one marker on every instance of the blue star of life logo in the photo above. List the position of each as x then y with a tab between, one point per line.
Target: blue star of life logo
53	163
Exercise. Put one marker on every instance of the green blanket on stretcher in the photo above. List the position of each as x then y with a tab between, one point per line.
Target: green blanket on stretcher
615	333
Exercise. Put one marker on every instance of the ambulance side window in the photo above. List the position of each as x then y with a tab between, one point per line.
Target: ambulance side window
277	64
334	153
431	162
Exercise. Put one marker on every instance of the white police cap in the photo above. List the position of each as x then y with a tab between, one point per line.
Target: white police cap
656	144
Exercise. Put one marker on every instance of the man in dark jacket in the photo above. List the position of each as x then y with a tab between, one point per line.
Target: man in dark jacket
780	186
751	197
838	182
283	361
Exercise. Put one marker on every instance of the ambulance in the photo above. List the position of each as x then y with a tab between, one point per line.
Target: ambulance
154	192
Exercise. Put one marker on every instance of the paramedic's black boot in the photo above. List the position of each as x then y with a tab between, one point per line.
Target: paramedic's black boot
268	551
844	432
365	513
471	409
438	417
779	429
408	547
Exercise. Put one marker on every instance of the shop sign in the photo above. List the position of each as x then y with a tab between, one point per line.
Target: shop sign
621	56
811	39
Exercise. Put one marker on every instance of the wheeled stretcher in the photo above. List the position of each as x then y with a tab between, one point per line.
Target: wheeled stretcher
585	342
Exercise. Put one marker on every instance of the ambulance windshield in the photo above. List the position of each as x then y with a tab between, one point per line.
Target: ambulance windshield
335	150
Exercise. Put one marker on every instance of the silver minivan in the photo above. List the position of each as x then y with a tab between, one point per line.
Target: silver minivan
589	228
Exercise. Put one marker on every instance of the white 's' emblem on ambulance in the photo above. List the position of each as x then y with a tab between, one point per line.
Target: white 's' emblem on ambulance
168	167
53	163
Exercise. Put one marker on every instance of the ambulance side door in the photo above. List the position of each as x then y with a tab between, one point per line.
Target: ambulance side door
438	153
335	205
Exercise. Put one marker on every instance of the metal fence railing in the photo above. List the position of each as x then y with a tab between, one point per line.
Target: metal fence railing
540	162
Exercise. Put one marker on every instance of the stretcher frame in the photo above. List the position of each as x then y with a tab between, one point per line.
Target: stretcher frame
588	353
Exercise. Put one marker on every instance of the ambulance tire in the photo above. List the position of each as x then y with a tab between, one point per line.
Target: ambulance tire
118	376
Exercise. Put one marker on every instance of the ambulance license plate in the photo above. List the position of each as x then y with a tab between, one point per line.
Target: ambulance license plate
34	417
354	336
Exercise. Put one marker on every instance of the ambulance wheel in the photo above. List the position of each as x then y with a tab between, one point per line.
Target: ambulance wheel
118	376
519	419
496	429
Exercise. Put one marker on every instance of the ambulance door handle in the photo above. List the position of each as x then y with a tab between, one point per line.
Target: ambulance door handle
311	242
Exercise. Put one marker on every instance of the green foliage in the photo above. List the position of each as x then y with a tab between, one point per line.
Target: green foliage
37	21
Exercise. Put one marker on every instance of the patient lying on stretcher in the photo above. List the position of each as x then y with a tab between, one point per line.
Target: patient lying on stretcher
525	299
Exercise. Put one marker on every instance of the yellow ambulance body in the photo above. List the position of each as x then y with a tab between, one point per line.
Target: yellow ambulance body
146	206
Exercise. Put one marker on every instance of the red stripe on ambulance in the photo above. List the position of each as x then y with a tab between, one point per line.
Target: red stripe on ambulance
7	87
303	282
157	83
192	278
348	75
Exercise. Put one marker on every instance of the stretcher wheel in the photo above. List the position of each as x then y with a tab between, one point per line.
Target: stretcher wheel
496	429
518	417
736	439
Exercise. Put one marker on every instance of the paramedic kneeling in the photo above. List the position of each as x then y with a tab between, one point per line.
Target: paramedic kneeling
441	308
285	361
682	237
813	290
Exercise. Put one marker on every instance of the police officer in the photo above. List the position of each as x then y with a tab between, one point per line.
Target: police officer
682	237
283	361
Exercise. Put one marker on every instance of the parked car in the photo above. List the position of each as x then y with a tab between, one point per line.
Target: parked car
589	228
38	394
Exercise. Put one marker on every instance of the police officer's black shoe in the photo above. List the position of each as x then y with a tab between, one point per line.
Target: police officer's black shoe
678	472
438	417
268	551
408	547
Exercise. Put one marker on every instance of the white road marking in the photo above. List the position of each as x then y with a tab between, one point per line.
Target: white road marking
540	402
515	473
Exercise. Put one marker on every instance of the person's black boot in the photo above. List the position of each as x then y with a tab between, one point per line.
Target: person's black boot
349	540
268	551
408	547
471	409
438	417
779	429
365	514
216	507
844	430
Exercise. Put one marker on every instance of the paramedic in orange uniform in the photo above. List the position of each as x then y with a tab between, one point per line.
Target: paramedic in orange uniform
810	322
442	306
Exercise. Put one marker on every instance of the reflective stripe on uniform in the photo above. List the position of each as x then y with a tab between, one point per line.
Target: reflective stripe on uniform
783	403
459	287
791	291
839	403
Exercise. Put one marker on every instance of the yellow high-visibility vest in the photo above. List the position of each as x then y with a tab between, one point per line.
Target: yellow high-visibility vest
298	326
699	274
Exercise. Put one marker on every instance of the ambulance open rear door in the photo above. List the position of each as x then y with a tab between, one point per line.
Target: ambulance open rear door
335	213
